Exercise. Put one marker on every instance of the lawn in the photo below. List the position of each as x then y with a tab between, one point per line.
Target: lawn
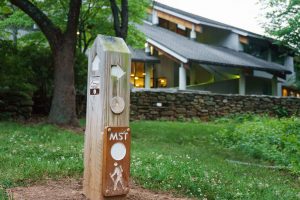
181	157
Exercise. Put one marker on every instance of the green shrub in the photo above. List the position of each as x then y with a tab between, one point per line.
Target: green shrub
280	111
16	87
271	139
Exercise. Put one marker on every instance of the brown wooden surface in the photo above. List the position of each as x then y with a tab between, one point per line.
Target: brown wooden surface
243	39
166	54
177	20
110	51
109	164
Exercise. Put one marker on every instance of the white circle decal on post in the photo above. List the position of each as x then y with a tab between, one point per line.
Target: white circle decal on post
118	151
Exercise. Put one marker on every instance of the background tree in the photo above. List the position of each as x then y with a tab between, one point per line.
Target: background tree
12	21
63	45
283	23
97	18
120	18
61	25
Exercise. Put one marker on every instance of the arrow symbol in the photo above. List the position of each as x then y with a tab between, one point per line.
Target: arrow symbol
96	64
117	71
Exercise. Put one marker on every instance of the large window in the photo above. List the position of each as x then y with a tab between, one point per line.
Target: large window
137	76
173	27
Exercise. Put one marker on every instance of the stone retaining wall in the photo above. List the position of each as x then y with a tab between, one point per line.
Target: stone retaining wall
177	105
15	104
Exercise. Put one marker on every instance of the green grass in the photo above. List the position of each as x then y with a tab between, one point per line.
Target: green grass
273	139
170	156
33	152
180	157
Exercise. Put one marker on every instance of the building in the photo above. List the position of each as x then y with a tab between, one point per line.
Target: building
190	52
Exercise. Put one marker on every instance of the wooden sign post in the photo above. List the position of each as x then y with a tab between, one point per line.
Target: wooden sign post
107	134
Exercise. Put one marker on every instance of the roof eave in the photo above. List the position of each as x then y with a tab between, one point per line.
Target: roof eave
145	60
273	71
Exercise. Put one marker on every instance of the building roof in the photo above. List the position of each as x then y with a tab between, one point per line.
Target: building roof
205	21
140	55
185	50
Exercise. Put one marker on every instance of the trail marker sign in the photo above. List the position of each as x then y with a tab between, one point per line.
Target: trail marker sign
116	161
107	134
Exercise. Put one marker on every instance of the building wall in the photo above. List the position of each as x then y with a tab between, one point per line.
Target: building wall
222	87
145	105
258	86
199	75
262	74
289	64
254	86
15	104
220	37
223	82
166	69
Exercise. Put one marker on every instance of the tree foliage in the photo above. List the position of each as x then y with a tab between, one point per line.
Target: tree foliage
62	25
15	73
283	21
95	18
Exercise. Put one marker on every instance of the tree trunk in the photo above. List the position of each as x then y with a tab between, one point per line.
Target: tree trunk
63	45
63	108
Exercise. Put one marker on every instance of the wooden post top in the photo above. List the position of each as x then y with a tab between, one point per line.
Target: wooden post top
112	44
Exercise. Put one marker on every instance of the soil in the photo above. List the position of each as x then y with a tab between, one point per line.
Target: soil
72	190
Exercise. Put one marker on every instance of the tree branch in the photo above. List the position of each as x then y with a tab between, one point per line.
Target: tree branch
115	11
124	18
51	32
120	29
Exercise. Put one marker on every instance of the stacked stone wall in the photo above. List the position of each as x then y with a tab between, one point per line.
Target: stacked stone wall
15	104
177	105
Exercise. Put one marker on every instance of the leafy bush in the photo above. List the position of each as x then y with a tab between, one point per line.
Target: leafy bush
271	139
16	87
14	73
280	111
28	69
236	118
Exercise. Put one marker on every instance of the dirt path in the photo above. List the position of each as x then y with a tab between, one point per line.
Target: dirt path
72	190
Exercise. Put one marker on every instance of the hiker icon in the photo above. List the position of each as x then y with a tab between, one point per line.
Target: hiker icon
118	176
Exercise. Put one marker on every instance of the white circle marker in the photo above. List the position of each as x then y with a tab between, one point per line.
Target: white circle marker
118	151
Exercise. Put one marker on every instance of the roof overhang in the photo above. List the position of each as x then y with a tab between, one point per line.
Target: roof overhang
168	51
274	72
185	60
144	61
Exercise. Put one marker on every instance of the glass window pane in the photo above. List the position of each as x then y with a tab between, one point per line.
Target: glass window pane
139	83
139	69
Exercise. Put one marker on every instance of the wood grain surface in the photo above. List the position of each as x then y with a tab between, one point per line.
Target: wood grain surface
110	51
